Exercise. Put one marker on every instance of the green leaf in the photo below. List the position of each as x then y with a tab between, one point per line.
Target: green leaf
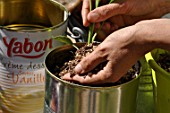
64	39
111	1
97	3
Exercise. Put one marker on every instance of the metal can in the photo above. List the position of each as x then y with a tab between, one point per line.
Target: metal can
67	97
27	28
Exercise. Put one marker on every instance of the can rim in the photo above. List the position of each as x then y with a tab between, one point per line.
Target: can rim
66	15
86	86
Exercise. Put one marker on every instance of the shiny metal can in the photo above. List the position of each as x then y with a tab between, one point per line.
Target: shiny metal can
66	97
27	28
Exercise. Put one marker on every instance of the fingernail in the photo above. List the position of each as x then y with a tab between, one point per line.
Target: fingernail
85	23
66	76
93	16
78	69
62	77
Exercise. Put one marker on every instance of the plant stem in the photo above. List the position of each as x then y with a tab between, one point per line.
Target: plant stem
91	34
91	26
91	37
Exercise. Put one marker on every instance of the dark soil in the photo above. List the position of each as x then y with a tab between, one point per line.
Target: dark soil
68	67
164	62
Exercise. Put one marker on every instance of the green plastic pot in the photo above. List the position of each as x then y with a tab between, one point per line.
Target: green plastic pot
161	82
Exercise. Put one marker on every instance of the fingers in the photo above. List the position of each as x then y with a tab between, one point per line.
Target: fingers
85	11
102	13
107	28
102	77
90	62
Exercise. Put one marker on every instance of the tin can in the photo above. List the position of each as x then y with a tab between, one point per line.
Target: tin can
27	28
66	97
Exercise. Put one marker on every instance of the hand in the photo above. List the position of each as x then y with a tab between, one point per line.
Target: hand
122	49
121	14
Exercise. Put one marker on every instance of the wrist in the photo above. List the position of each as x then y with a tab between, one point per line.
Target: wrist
154	34
144	33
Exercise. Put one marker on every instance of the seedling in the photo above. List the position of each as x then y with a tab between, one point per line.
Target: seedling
91	34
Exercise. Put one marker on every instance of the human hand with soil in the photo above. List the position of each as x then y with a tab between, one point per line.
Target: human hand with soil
123	13
121	50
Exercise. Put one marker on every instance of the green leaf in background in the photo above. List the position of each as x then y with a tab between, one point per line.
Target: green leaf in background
97	3
111	1
65	40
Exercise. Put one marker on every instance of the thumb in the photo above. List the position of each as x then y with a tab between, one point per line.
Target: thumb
104	12
88	63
